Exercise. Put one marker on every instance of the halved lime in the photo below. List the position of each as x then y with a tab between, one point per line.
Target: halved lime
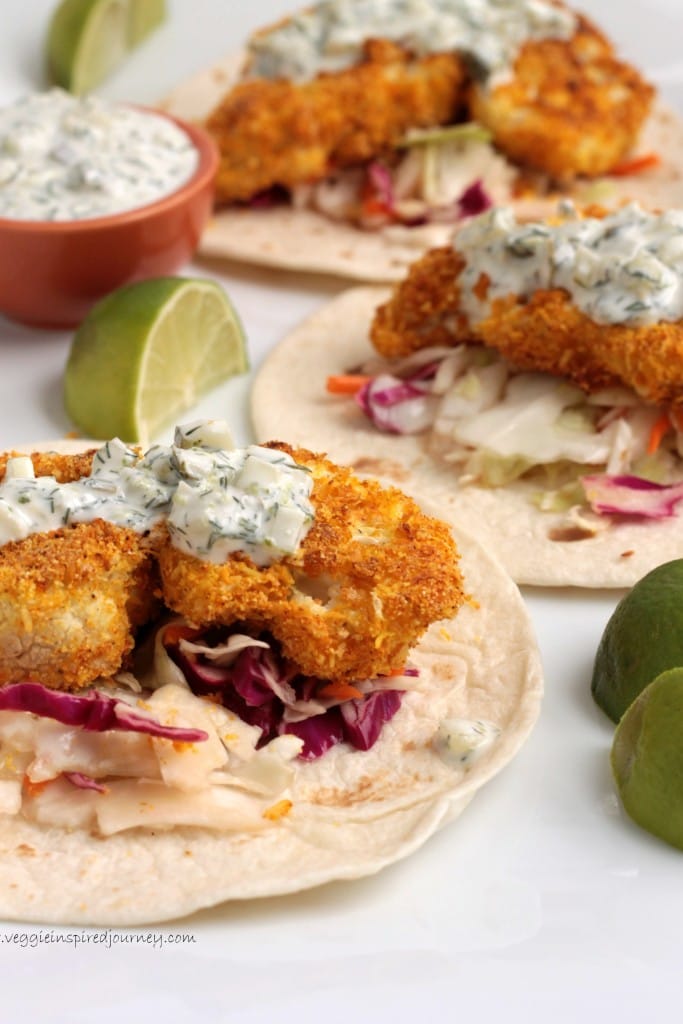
643	637
147	352
88	39
647	758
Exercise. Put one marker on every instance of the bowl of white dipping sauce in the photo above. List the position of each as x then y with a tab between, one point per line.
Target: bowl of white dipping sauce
94	195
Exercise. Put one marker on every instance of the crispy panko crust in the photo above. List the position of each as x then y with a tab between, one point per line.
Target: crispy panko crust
423	309
546	333
571	108
278	133
70	602
372	573
549	333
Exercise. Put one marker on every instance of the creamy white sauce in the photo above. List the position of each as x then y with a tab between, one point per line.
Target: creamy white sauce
64	158
216	499
464	740
626	268
330	36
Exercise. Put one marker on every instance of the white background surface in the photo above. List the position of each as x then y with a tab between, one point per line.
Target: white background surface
541	902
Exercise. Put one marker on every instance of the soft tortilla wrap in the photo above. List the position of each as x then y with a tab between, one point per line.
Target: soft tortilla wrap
352	813
289	401
304	240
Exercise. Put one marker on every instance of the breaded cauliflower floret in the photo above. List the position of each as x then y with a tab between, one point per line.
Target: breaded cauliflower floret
570	108
543	332
371	574
423	309
548	333
280	133
70	602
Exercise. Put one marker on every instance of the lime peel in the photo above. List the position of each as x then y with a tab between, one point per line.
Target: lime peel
643	638
647	758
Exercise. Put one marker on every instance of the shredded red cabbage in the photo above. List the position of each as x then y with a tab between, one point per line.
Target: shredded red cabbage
257	680
395	405
363	719
276	195
474	200
92	711
318	733
82	781
632	496
378	178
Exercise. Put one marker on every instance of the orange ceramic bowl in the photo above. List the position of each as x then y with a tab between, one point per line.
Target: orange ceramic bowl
53	272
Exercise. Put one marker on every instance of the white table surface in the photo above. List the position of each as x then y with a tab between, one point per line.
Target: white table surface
541	902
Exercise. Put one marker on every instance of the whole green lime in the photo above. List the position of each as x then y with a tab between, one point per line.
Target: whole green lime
647	758
643	638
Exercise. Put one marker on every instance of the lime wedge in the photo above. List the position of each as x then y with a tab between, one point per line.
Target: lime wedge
147	352
88	39
647	758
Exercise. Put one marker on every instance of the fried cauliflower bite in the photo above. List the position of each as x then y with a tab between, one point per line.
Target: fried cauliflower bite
545	332
570	108
70	601
548	333
423	309
371	574
276	132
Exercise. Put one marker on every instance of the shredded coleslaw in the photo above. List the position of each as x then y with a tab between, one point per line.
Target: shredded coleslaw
497	425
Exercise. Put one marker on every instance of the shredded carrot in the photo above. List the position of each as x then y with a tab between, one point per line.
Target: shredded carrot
175	632
660	428
372	207
34	788
278	810
340	691
636	164
346	383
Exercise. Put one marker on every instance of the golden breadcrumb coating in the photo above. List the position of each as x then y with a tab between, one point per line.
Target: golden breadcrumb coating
372	573
571	108
70	602
545	332
550	334
279	133
423	308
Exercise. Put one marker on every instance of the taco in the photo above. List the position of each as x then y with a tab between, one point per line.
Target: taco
167	746
356	136
531	375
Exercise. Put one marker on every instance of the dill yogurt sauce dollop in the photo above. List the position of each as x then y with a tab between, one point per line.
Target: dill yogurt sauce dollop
65	158
215	498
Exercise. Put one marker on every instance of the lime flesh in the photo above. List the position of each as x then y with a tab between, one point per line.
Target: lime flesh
643	638
647	758
88	39
147	352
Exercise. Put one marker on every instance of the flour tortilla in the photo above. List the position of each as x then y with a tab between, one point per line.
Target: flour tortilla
353	812
307	241
289	402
